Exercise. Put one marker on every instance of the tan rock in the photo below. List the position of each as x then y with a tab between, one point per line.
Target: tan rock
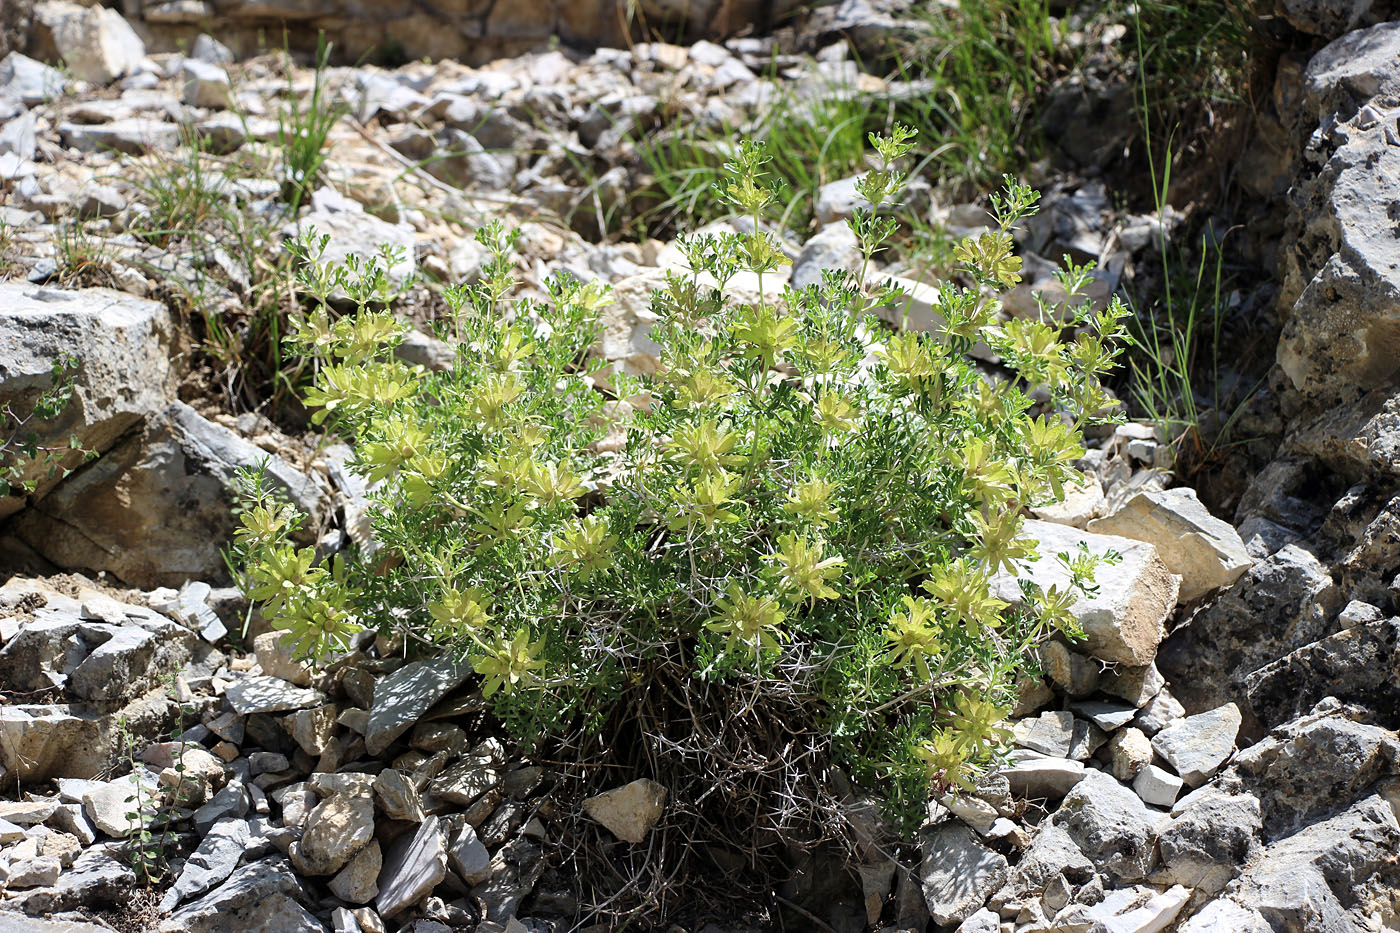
629	812
1129	752
275	658
1204	551
336	830
358	881
1123	621
1083	502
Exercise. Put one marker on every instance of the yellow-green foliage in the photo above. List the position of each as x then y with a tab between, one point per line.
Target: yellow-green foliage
803	493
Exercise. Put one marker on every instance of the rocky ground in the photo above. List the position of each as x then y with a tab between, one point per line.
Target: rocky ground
1218	755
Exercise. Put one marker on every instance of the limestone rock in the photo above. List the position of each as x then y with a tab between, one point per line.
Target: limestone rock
339	827
401	698
1204	551
1207	844
29	82
834	248
358	880
261	694
1110	824
210	864
1157	786
205	84
1320	878
1311	766
1083	502
469	857
265	892
1325	18
1198	745
959	872
416	863
1049	733
1207	658
274	656
1124	621
1129	752
95	43
1360	665
1036	777
156	509
398	797
629	812
122	345
356	233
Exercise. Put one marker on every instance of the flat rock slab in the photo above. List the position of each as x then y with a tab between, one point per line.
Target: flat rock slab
256	693
1198	745
415	865
959	873
401	698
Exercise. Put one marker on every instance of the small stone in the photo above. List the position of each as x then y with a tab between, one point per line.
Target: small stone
267	763
231	802
959	872
1160	712
262	694
1198	745
312	729
339	827
469	857
432	737
1129	752
28	812
1088	738
401	698
1157	786
41	871
1133	684
100	201
275	658
398	797
416	864
217	856
629	812
70	818
1111	825
1073	673
1049	733
1107	716
1036	778
228	726
469	778
973	811
357	882
1032	695
205	84
109	803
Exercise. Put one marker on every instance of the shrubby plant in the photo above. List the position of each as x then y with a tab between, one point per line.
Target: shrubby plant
800	515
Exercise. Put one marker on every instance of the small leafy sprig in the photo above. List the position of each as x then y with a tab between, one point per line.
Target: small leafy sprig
22	457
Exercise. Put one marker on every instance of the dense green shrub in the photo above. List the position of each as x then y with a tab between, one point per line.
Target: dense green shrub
804	504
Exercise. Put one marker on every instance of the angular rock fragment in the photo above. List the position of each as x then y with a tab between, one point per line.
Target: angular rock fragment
629	812
1204	551
959	872
1198	745
1123	623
